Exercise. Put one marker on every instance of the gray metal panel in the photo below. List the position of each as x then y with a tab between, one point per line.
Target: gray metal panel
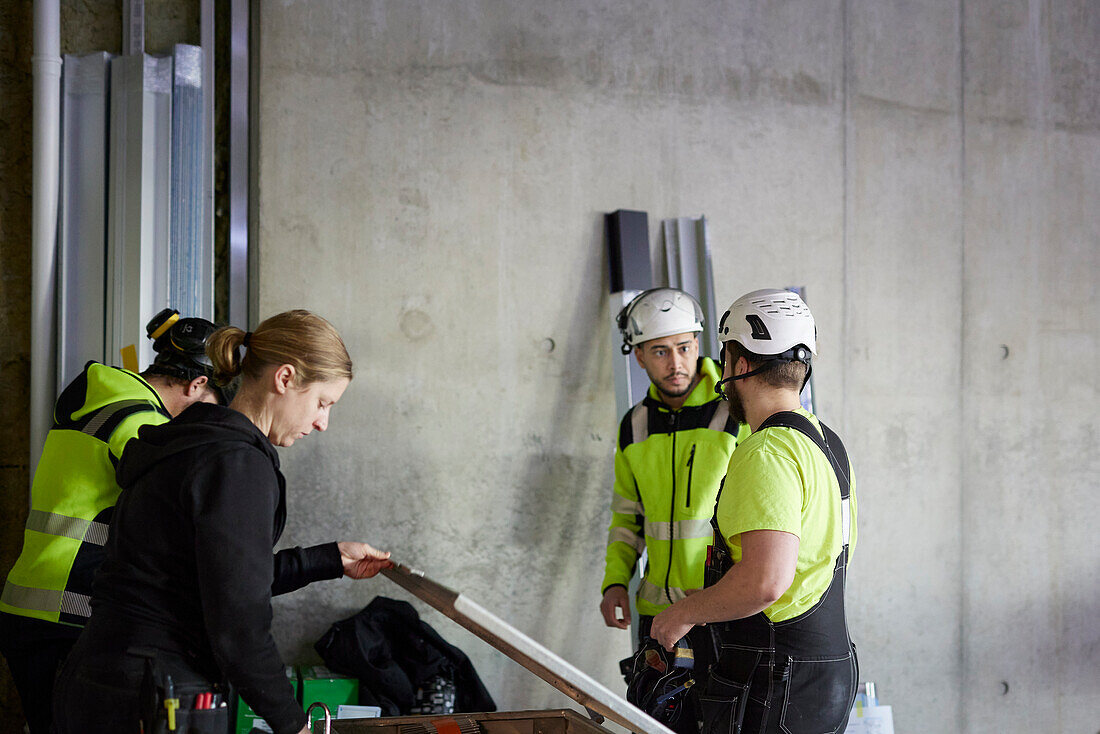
137	217
191	253
206	21
687	257
238	164
712	310
45	165
82	239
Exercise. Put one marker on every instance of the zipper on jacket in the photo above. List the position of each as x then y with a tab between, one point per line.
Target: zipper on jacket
691	466
672	508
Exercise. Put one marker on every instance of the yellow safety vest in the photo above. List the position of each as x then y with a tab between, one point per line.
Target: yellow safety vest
669	465
74	493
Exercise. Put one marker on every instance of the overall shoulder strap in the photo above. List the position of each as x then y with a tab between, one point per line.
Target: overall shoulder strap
833	448
829	443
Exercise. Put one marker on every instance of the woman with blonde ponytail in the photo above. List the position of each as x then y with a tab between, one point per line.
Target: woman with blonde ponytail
186	588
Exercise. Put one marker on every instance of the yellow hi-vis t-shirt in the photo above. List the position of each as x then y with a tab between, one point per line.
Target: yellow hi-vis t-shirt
778	479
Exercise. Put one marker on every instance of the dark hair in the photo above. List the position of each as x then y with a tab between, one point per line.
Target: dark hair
298	338
776	373
173	380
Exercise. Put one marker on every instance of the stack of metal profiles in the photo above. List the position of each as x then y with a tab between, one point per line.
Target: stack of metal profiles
687	256
137	214
191	255
133	206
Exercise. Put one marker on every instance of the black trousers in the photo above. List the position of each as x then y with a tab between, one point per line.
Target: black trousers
110	685
35	651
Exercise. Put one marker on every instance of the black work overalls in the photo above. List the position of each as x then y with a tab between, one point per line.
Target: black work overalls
798	676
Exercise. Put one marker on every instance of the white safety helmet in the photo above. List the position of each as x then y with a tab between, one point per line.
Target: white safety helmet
770	323
658	312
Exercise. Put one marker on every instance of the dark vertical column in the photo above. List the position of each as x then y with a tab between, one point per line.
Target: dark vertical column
630	271
628	245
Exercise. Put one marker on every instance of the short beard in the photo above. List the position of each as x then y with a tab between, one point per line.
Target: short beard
737	408
666	394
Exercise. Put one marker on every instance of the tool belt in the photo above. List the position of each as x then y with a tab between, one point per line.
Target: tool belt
177	698
662	684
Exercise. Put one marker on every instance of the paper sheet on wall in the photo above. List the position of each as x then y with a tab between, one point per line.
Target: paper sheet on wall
871	720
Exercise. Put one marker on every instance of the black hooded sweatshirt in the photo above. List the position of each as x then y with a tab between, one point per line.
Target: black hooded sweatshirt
189	560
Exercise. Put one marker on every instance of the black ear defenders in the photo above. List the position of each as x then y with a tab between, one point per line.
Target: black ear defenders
623	319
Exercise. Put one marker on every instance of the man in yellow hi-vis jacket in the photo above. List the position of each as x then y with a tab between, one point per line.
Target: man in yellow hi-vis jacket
670	458
45	601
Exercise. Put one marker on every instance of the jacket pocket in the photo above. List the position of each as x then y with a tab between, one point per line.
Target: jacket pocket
819	696
691	469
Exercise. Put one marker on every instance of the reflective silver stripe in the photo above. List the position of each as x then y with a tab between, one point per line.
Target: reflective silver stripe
623	506
78	604
685	529
105	413
624	535
846	518
54	524
46	600
656	594
25	597
639	422
97	533
718	422
64	526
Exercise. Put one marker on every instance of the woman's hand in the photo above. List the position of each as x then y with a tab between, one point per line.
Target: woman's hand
362	561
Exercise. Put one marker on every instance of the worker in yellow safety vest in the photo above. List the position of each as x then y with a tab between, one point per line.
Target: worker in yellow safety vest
45	601
670	458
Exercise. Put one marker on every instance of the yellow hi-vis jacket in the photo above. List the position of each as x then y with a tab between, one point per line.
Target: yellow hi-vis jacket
669	465
74	493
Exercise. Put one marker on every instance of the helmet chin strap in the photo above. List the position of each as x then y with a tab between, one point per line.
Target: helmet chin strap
795	354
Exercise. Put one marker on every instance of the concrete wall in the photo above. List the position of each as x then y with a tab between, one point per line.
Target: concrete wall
433	177
1031	318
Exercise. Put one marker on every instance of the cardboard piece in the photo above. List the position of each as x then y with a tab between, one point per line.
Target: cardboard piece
597	699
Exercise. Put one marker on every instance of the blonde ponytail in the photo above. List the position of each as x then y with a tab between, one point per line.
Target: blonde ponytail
221	348
299	338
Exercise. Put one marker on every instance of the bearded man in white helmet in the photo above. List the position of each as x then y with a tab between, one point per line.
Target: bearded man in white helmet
785	526
671	454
